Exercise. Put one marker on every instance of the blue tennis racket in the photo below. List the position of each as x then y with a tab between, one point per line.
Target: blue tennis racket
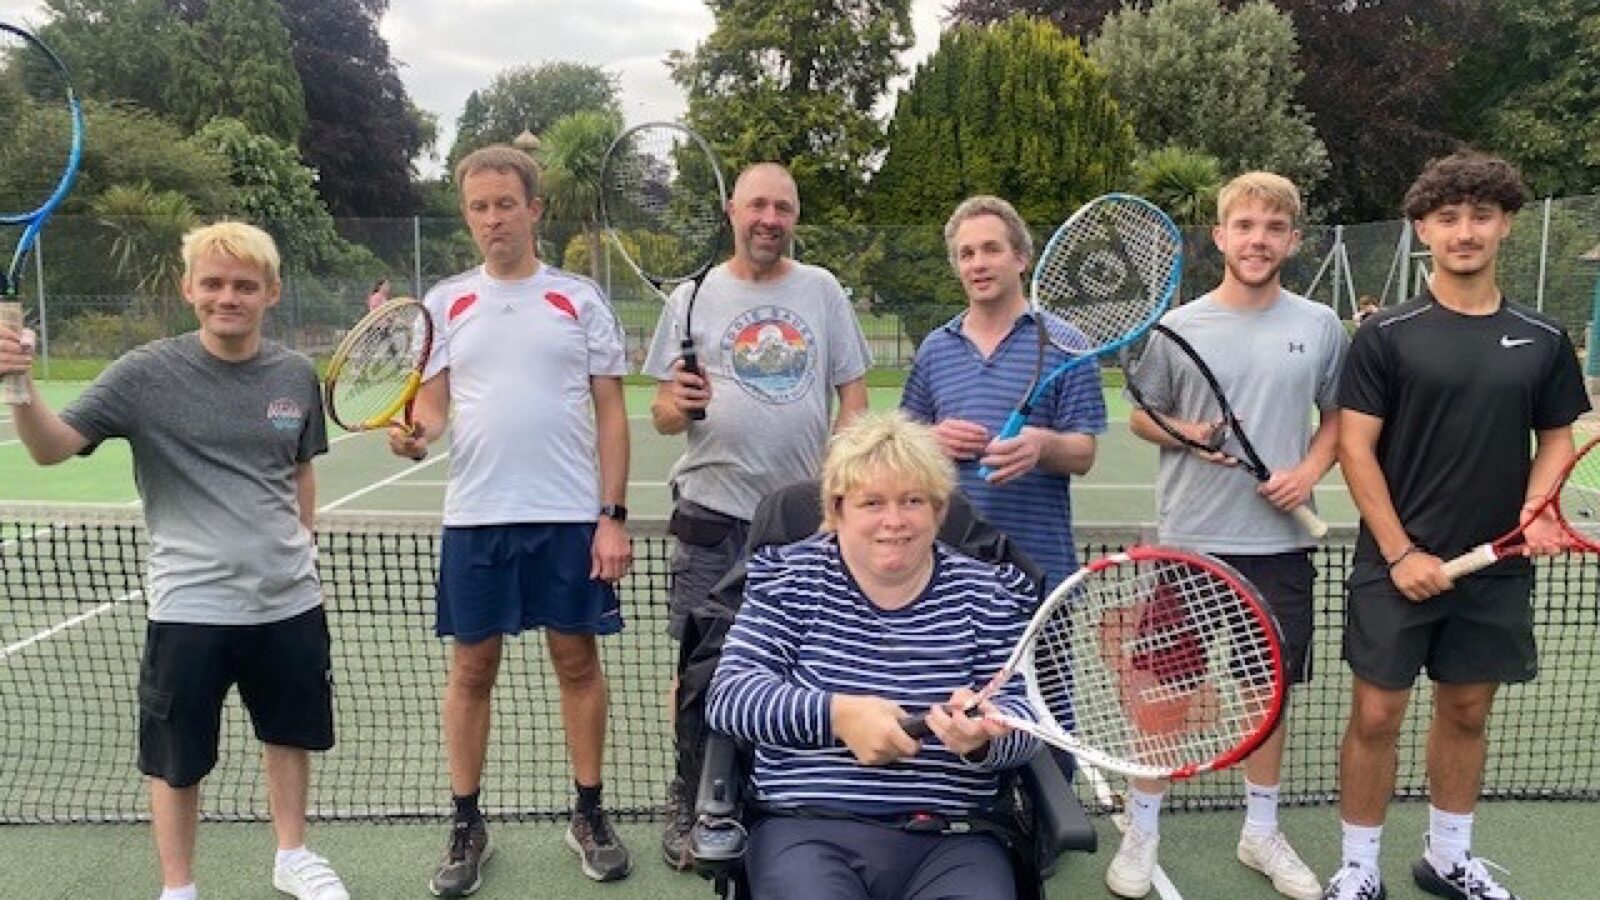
48	83
1106	276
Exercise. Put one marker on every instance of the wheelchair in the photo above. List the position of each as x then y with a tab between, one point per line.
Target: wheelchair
1037	815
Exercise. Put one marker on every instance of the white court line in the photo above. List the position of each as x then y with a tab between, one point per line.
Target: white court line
384	482
61	626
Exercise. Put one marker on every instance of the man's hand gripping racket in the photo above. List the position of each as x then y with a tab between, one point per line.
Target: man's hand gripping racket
1572	506
1163	358
1166	664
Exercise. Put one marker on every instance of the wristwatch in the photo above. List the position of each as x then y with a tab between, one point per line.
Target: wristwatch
615	511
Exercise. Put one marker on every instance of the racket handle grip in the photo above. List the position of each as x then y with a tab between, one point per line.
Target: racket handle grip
916	726
691	363
1011	428
1480	557
1310	521
13	385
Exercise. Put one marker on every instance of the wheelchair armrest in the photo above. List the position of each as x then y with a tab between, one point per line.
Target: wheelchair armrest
717	839
1062	822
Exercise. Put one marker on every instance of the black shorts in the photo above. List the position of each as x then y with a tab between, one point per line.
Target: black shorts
1285	581
1479	631
285	678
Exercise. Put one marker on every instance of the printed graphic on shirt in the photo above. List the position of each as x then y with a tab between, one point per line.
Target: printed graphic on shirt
285	414
772	352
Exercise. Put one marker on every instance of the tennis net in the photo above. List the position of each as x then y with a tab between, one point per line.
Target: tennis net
71	631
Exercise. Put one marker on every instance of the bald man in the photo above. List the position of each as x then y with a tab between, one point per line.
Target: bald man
777	341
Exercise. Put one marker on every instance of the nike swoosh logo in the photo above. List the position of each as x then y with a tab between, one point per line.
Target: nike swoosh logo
1507	340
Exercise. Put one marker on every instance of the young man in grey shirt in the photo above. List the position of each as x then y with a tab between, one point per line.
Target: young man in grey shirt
1277	356
223	425
777	340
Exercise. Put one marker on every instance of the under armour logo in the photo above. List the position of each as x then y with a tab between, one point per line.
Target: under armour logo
1507	340
1296	348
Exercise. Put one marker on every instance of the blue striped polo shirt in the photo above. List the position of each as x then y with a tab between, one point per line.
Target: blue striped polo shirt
807	632
951	379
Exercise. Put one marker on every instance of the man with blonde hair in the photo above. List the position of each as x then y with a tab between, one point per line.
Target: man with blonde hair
224	425
530	359
1277	356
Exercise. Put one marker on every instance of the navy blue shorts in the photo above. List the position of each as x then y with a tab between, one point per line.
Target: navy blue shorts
506	579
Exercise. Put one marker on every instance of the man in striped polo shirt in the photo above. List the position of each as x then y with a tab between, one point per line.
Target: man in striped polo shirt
970	372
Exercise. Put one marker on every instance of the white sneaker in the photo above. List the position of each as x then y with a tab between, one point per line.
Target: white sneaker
1468	879
1272	856
1355	882
1134	865
309	877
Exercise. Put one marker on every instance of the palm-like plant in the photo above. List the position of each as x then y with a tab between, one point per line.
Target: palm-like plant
1181	181
571	153
147	228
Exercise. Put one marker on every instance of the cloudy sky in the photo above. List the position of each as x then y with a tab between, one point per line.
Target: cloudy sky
447	48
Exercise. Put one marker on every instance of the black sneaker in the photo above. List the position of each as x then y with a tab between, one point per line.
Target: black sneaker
599	849
461	871
675	848
1466	880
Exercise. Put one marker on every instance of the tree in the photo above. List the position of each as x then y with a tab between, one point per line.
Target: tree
1222	83
124	50
532	98
1534	97
361	132
275	190
1379	75
1182	182
242	67
1076	18
1015	110
147	227
572	152
797	81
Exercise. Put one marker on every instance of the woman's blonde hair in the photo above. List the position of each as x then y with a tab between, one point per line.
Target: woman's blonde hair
236	240
884	443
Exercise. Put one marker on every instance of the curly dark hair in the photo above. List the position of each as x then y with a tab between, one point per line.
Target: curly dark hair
1465	176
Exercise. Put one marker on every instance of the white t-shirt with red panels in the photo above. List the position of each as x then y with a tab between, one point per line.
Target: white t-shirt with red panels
520	355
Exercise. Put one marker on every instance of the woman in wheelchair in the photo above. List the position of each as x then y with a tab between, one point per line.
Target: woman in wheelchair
840	637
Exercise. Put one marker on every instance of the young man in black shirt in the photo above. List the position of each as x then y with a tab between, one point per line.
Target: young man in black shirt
1439	397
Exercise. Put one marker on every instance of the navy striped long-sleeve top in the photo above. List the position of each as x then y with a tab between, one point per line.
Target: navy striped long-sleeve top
806	632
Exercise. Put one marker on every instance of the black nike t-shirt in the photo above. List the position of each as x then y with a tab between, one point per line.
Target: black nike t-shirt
1460	397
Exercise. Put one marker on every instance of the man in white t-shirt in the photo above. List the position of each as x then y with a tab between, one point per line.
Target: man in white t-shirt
533	518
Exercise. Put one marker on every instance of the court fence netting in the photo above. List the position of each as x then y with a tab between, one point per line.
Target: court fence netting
72	616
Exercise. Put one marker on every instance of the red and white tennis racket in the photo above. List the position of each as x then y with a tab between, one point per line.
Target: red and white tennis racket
1165	662
1575	499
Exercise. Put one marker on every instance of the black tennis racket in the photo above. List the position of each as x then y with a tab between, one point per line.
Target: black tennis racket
664	203
1163	359
1168	659
48	85
1107	274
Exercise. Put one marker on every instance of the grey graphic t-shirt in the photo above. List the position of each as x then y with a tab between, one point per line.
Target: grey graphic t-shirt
215	448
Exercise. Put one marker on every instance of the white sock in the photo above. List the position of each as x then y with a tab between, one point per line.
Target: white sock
187	892
285	857
1449	837
1261	809
1144	810
1361	843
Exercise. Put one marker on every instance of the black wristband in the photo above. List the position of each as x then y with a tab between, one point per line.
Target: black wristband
1410	549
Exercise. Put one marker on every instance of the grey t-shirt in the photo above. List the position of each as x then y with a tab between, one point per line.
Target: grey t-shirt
215	447
1274	365
775	353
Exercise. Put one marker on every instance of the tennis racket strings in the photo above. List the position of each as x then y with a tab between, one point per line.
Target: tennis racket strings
1106	271
374	375
661	196
1163	664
